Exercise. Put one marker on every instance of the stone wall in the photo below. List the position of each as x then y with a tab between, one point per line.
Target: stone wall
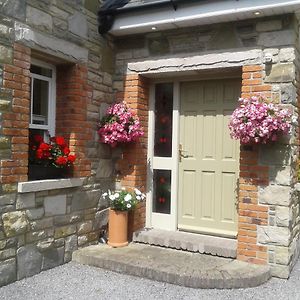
49	221
268	201
38	230
274	34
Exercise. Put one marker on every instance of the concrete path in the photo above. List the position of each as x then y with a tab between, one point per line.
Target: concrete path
174	266
73	281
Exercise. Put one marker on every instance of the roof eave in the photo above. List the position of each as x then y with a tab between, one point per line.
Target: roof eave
193	14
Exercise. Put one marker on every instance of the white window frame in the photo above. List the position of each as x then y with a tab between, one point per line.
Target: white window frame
51	97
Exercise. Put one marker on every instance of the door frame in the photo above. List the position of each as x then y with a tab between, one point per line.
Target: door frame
159	220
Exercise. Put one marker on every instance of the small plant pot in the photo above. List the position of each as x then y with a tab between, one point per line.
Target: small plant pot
117	228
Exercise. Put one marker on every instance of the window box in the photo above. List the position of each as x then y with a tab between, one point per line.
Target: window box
41	172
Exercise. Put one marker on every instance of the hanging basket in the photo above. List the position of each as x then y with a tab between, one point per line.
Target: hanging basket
117	228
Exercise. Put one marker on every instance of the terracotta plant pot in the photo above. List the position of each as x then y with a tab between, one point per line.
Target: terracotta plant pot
117	228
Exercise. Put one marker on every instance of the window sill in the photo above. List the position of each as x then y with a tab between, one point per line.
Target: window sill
49	184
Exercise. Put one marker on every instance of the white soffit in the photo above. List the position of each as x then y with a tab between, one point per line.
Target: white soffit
207	12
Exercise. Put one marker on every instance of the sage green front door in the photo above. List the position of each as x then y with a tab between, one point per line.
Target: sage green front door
209	160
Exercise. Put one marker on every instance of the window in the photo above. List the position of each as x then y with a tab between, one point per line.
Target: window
163	119
43	96
163	141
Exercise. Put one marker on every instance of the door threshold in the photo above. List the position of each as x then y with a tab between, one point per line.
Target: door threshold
186	241
205	231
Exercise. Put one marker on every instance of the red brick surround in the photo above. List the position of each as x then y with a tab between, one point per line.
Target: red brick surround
73	97
15	122
252	174
133	166
250	213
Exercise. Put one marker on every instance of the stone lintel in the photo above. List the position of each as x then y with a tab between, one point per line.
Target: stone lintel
51	45
235	58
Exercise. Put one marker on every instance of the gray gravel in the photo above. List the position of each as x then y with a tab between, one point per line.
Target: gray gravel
74	281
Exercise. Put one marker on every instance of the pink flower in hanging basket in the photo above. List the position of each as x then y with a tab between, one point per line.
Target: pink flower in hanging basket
119	125
256	121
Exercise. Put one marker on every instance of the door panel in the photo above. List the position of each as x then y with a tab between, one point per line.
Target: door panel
208	190
208	170
208	139
189	183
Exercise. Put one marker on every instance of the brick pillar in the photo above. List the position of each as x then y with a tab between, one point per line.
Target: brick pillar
251	213
133	166
73	96
252	175
15	119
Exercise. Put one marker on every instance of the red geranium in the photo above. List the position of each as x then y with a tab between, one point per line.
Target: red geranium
61	161
71	158
46	154
38	138
45	147
54	153
39	153
66	151
60	141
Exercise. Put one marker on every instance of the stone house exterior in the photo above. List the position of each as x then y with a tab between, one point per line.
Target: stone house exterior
201	57
43	222
161	67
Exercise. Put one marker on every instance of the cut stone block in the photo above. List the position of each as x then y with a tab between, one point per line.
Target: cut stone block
273	235
55	205
29	261
8	271
15	223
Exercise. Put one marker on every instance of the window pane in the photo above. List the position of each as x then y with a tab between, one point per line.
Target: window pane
162	191
41	71
163	119
40	102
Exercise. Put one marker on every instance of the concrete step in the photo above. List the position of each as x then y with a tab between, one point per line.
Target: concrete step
174	266
192	242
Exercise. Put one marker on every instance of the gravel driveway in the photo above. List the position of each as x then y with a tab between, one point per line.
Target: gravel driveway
74	281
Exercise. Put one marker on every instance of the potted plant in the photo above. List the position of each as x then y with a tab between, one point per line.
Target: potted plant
49	160
119	126
257	121
120	203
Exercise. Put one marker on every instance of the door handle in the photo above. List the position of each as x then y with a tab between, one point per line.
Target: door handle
181	153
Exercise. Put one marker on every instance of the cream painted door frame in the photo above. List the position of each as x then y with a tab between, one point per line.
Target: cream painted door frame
160	220
153	219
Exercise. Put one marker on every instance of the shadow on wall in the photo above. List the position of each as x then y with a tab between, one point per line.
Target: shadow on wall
274	163
131	172
280	161
129	159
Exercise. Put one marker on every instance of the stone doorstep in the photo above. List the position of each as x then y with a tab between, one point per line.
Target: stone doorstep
192	242
174	266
